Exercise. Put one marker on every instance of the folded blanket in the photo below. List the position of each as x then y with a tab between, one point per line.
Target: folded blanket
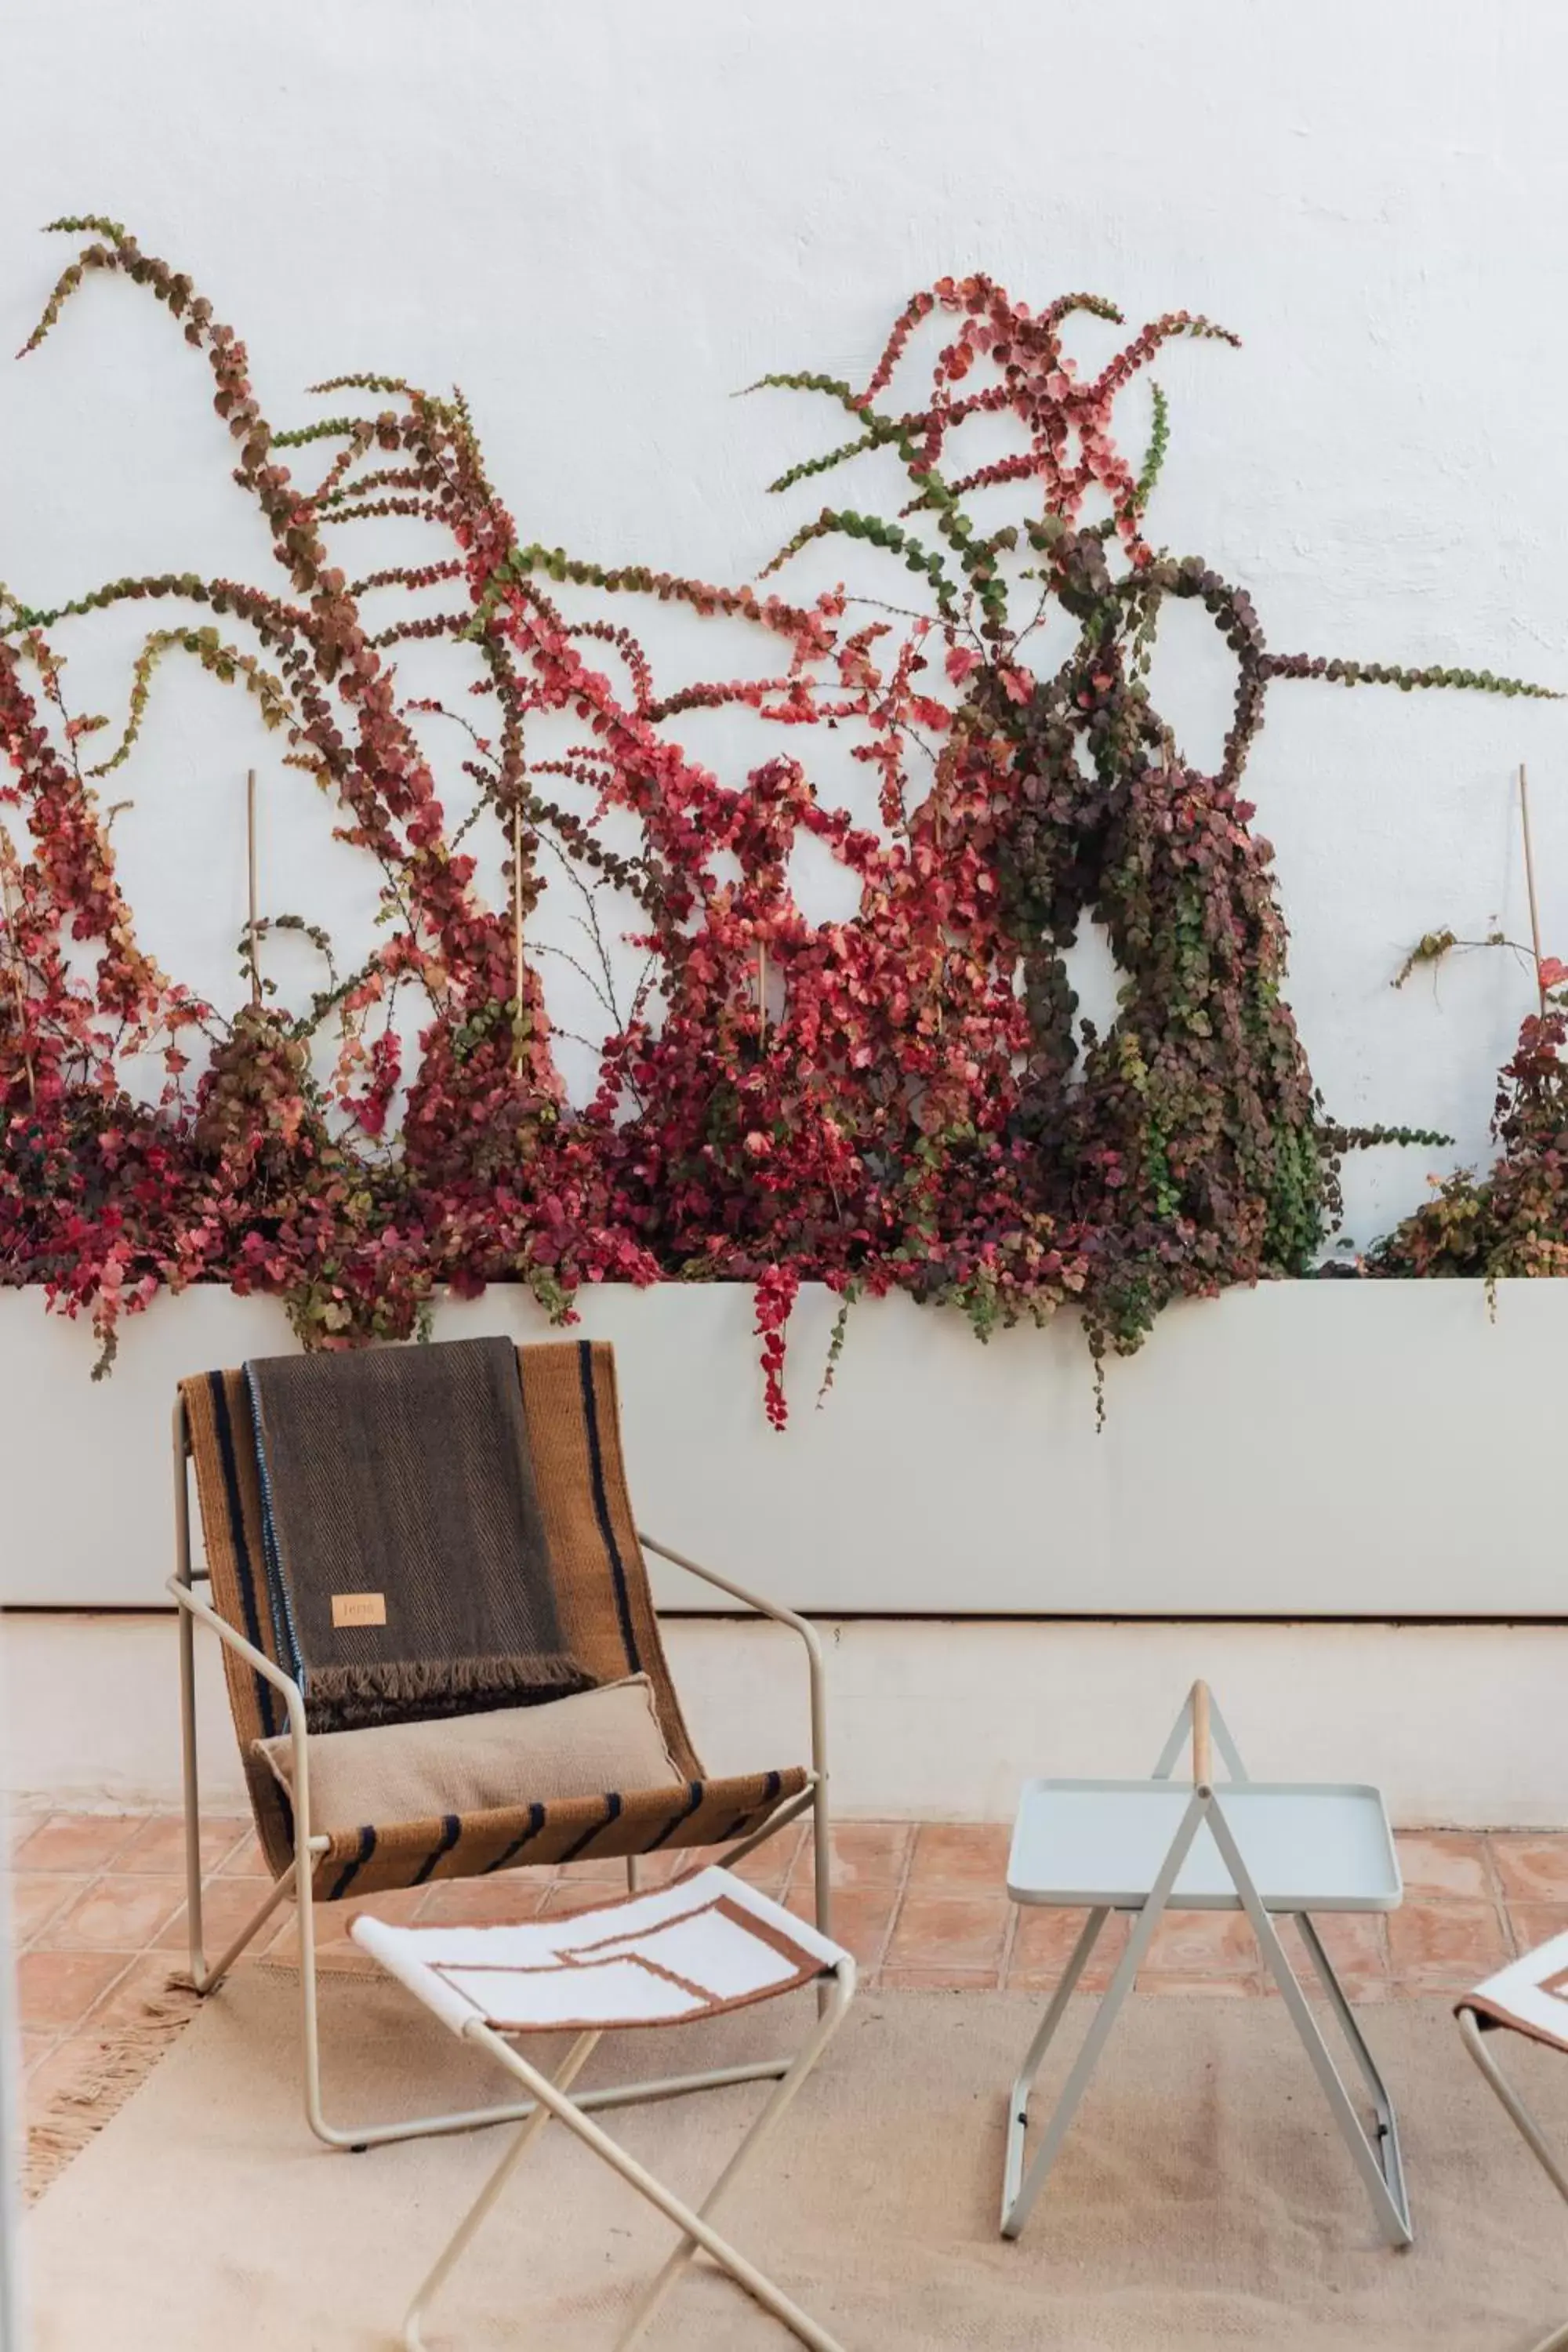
407	1560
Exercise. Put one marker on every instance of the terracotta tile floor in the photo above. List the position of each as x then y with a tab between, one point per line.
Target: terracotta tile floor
100	1913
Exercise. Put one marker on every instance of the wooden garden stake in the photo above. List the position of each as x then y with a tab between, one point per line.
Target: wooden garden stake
1530	883
251	920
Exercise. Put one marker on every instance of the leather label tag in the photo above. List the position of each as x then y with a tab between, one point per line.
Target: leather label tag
359	1609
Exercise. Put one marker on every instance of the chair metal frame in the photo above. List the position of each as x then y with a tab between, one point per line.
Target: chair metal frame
297	1881
1473	2031
697	2235
1376	2156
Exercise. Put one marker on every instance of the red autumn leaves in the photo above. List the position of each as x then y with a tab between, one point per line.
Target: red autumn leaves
898	1098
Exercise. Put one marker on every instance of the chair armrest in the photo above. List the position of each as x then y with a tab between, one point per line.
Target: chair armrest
782	1616
293	1698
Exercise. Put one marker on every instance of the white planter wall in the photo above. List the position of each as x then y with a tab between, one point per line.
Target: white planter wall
1458	1723
1321	1450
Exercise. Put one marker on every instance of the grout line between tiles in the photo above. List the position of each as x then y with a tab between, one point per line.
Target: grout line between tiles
896	1910
1510	1939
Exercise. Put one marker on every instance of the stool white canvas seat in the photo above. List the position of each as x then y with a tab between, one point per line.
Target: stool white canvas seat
694	1949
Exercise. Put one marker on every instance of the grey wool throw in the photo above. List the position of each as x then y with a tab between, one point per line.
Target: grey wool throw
406	1558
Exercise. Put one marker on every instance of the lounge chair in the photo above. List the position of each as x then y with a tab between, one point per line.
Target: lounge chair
607	1623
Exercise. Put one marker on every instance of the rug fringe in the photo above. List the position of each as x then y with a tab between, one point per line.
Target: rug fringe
125	2057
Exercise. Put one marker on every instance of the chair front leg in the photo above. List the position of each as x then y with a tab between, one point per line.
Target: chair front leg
822	1854
183	1586
205	1979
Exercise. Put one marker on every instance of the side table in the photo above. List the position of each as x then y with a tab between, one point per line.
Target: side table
1260	1846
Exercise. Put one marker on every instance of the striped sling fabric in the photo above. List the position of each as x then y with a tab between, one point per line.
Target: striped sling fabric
607	1623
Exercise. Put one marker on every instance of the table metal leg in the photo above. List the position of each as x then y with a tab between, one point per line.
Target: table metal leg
1018	2101
1019	2195
1388	2149
1379	2166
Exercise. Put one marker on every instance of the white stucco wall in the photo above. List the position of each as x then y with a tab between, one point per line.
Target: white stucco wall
602	220
925	1722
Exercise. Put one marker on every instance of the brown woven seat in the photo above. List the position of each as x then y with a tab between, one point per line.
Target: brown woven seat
607	1617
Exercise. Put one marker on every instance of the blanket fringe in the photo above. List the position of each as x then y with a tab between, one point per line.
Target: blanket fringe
355	1698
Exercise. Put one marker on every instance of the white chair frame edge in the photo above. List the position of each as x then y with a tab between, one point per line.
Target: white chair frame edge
1473	2031
194	1611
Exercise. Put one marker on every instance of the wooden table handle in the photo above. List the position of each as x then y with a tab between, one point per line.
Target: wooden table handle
1203	1756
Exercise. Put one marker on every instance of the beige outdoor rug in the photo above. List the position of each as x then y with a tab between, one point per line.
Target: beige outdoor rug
1203	2199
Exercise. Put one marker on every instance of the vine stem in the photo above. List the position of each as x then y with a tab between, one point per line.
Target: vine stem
252	918
1530	883
761	991
517	927
19	979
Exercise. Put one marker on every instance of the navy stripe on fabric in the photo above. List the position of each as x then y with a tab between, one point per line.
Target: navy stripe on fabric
535	1823
602	1507
451	1831
612	1813
758	1813
284	1631
346	1879
243	1565
698	1790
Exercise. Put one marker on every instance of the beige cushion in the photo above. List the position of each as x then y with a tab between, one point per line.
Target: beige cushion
583	1746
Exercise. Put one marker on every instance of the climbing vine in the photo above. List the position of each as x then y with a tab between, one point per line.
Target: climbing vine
1513	1221
899	1098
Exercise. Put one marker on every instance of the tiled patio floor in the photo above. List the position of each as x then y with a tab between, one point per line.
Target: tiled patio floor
99	1917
